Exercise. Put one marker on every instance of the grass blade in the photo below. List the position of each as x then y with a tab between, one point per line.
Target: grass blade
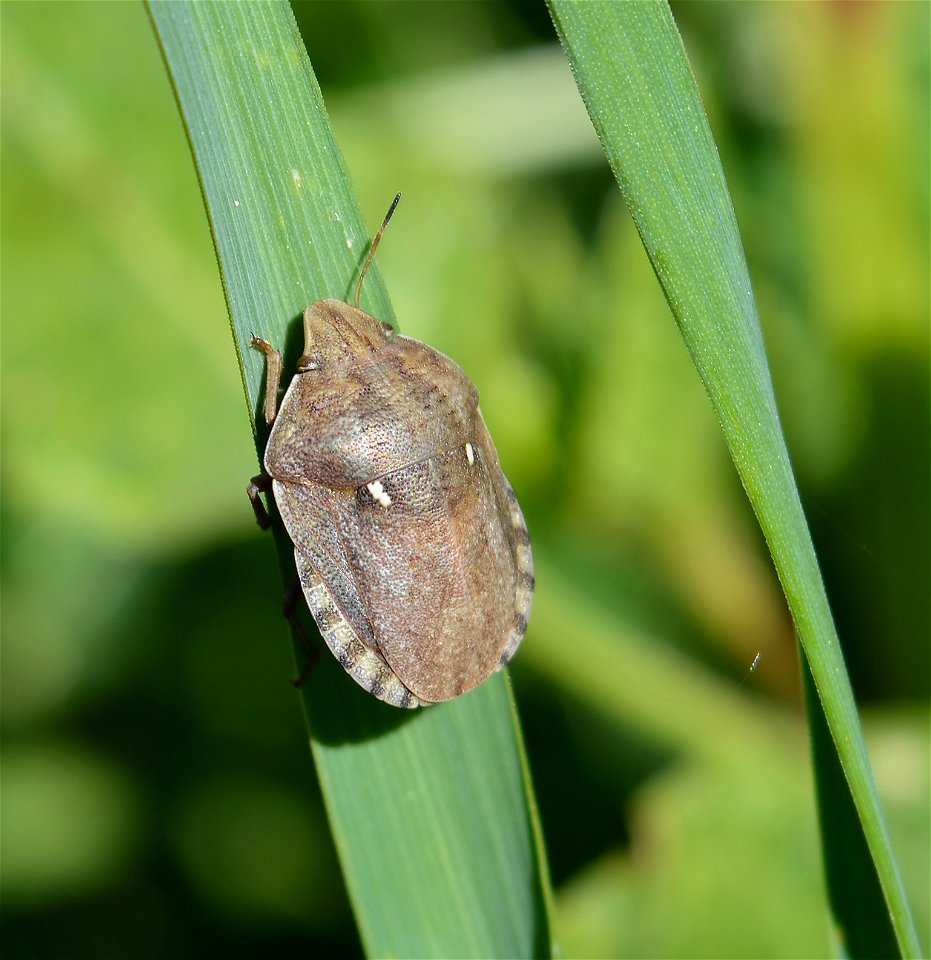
431	811
631	69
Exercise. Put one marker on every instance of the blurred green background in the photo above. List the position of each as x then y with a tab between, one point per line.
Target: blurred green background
158	799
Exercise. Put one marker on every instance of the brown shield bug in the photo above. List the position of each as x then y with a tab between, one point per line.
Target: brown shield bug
411	549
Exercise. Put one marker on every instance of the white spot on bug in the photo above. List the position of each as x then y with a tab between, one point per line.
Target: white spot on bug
235	203
470	454
297	177
349	244
378	493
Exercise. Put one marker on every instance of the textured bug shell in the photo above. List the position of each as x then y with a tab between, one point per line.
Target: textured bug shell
412	551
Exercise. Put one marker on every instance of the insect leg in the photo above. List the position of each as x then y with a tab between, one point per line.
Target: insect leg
257	485
272	377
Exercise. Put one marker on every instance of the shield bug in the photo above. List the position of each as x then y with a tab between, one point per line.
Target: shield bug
411	549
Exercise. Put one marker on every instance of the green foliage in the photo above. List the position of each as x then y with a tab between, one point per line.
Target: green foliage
157	795
630	66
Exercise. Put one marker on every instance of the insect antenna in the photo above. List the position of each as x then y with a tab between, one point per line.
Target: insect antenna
372	248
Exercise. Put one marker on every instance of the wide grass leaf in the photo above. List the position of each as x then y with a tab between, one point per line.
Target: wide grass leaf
431	810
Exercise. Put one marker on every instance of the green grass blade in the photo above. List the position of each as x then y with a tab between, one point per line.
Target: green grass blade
431	811
631	68
852	879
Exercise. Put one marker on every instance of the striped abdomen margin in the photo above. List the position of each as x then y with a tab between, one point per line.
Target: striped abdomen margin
523	594
360	661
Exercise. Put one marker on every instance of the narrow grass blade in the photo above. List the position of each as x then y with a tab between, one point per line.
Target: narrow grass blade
631	69
431	810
